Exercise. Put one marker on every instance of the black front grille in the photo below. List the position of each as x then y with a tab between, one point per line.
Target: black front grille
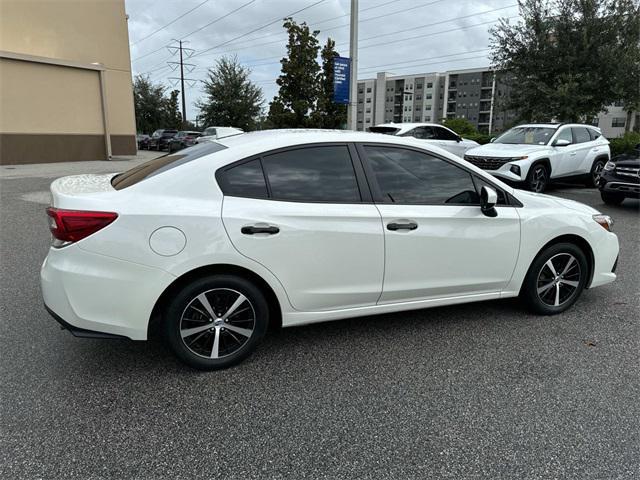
630	173
487	163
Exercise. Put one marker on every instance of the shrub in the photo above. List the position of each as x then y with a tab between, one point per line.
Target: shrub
481	138
624	144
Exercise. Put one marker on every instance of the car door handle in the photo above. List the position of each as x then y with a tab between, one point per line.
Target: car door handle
271	230
402	226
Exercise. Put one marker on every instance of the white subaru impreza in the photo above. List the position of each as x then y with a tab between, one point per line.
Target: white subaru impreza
214	244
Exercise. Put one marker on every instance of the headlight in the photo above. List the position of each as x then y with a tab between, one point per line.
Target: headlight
523	157
605	221
609	166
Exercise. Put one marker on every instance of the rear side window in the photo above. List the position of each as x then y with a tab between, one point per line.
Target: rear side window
594	133
162	164
245	180
581	134
410	177
444	134
312	174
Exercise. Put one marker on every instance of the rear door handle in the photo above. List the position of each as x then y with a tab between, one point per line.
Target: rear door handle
402	226
271	230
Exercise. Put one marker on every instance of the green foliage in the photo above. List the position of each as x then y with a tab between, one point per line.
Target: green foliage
461	126
481	138
299	80
624	144
328	114
153	109
563	58
231	99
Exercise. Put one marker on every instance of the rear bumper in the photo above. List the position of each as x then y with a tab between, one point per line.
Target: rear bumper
91	294
80	332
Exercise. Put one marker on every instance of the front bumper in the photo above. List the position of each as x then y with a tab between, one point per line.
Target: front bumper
627	189
94	293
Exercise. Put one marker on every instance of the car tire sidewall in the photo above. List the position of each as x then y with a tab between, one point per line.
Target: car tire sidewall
612	198
530	285
176	306
591	182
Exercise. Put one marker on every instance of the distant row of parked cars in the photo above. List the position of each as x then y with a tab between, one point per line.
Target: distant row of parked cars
534	155
173	140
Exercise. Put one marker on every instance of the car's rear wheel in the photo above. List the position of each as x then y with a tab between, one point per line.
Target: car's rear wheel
537	178
555	279
596	171
216	322
612	198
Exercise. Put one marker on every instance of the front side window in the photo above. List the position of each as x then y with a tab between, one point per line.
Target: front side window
565	134
527	136
423	133
312	174
411	177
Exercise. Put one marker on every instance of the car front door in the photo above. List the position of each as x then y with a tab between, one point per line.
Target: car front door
438	243
306	215
568	157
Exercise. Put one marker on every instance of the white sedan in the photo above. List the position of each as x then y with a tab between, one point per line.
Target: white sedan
430	134
212	245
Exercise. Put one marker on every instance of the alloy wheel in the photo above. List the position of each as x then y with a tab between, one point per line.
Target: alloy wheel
597	172
559	279
217	323
539	179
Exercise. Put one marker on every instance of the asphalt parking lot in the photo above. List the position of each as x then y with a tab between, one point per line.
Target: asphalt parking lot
482	390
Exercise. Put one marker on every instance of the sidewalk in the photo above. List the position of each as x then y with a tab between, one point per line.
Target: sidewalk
61	169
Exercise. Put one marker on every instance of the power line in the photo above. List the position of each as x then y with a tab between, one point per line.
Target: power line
279	19
219	18
170	23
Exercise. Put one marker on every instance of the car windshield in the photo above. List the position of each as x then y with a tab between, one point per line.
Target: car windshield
526	136
209	131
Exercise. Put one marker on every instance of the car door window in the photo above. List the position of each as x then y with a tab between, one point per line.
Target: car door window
312	174
581	134
245	180
411	177
423	133
565	134
444	134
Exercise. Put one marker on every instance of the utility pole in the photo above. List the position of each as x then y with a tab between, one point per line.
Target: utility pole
184	104
352	111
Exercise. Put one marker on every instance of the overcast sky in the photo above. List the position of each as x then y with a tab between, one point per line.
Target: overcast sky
401	37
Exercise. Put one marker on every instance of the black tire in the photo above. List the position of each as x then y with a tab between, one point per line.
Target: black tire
537	178
546	294
186	312
612	198
594	174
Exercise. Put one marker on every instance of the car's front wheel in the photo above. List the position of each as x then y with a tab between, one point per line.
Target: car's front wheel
216	322
612	198
537	178
555	279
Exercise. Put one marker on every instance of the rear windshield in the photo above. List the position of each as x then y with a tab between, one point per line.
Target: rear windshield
385	130
162	164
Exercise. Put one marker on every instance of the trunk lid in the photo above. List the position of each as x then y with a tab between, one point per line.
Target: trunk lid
81	191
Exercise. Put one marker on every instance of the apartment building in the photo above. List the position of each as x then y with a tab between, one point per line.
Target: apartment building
65	81
613	121
476	94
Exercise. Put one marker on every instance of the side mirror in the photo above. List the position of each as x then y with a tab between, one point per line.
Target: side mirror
458	139
488	200
561	142
493	139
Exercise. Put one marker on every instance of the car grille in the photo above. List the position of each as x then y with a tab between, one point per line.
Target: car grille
627	171
487	163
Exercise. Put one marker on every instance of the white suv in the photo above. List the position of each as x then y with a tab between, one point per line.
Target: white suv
430	134
536	154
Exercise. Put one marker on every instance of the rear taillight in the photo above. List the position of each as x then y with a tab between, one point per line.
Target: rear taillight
68	226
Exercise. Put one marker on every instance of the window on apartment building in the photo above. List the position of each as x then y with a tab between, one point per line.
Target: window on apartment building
429	85
418	86
360	100
418	97
427	106
368	110
368	120
360	90
368	100
417	118
618	122
428	96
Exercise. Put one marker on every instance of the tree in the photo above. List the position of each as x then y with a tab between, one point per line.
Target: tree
560	57
328	114
461	126
299	79
153	109
231	98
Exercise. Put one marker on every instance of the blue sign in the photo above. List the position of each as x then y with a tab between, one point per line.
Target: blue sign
341	73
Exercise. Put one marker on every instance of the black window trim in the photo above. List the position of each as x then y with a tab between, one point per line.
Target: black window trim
379	198
364	189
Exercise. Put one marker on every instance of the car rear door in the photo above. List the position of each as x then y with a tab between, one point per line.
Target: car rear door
438	243
305	213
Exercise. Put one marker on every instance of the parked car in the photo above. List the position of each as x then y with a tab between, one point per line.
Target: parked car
289	227
430	133
620	178
160	139
143	141
211	134
534	155
182	139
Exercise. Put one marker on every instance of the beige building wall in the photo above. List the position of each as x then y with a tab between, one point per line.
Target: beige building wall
65	81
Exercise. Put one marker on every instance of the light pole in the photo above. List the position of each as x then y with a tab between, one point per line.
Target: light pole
352	111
